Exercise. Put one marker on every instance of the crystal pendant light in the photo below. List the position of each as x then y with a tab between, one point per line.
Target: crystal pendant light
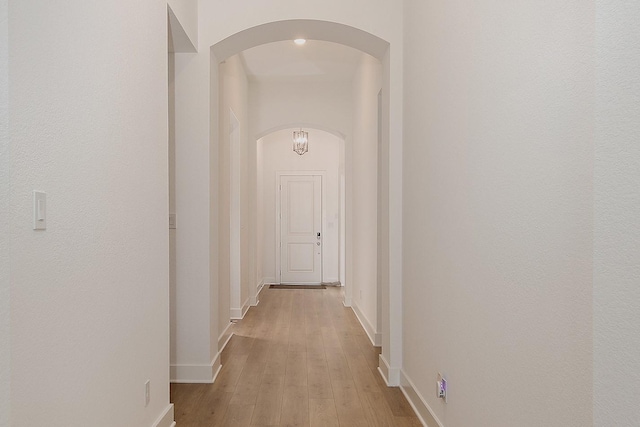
300	141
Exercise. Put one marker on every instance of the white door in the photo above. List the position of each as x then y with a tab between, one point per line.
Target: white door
300	229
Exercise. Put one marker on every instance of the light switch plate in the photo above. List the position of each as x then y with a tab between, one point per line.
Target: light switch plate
39	210
172	221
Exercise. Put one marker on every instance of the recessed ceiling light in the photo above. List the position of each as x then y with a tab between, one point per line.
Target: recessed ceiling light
299	42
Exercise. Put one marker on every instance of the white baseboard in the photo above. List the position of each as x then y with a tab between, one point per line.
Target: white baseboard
254	301
374	337
383	369
270	280
217	366
166	419
202	373
195	373
224	337
418	403
238	313
347	302
245	307
391	376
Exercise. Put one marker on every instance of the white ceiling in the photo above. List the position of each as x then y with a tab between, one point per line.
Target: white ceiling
314	61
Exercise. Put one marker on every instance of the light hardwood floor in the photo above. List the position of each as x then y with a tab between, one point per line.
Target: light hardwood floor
300	358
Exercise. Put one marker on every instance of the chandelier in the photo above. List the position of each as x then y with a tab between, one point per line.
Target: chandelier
300	141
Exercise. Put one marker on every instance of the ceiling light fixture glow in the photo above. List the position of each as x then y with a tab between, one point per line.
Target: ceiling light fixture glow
300	141
300	42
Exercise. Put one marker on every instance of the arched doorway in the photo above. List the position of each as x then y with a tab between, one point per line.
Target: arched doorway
388	229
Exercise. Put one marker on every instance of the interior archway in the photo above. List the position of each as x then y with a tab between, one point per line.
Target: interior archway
379	49
200	284
300	28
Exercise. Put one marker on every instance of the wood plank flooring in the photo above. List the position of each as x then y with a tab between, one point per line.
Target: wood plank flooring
300	358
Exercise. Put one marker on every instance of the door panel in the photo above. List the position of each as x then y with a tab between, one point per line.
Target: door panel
301	219
301	259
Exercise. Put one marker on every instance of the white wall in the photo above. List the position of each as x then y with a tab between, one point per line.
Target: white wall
277	156
259	209
196	283
277	104
202	180
364	181
5	319
498	210
89	295
234	97
616	267
186	13
217	331
172	209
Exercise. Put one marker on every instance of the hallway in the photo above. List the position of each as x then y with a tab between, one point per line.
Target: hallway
300	358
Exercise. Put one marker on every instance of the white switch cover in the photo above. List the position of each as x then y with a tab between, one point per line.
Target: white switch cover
39	210
147	392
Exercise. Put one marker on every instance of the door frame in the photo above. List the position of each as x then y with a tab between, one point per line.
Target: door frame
323	195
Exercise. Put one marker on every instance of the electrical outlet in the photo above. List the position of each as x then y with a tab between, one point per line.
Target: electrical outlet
147	392
441	387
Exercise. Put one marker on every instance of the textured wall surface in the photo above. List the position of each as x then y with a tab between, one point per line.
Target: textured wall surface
276	104
234	97
89	299
498	201
366	86
195	333
5	320
171	142
186	11
617	216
